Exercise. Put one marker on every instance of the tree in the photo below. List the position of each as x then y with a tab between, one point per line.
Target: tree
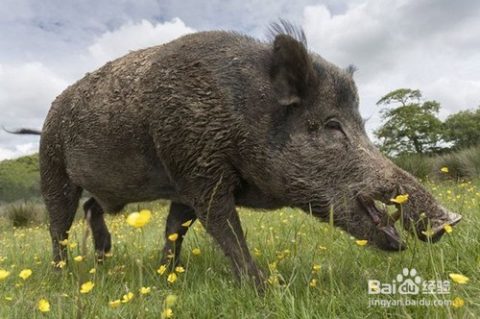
411	126
463	128
19	178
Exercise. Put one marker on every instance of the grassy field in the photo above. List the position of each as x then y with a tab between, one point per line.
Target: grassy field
313	270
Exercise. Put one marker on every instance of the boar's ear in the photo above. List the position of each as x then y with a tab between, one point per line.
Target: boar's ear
291	70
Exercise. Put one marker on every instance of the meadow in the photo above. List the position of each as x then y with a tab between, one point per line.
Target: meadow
313	270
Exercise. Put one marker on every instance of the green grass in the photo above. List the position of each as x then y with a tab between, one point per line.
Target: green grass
207	289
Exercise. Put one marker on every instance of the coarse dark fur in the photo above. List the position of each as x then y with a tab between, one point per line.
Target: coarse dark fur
213	120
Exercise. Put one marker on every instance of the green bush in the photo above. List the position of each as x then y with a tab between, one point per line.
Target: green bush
471	157
418	165
20	214
463	164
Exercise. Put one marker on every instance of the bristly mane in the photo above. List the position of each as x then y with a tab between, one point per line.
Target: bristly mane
288	28
351	69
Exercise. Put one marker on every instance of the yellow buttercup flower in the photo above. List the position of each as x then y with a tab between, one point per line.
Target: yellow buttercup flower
273	280
187	223
86	287
37	260
167	313
145	290
448	229
127	298
173	237
115	303
444	169
24	274
78	258
316	268
272	266
458	302
138	220
162	269
196	251
428	233
459	278
170	300
172	278
63	242
400	199
43	305
4	274
179	269
313	283
92	271
362	242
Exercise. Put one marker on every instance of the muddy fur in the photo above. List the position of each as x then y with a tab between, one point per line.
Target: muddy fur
211	121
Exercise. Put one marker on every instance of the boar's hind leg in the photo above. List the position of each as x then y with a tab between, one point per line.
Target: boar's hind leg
61	200
179	220
101	237
222	222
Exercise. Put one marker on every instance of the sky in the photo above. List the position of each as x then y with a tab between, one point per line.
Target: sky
430	45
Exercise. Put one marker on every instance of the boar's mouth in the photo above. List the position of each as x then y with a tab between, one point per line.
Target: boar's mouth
384	234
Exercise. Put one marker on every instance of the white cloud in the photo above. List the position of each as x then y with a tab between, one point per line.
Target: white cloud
27	90
26	93
426	45
134	36
454	93
19	150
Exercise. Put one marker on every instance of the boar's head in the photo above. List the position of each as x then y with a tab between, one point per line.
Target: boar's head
322	160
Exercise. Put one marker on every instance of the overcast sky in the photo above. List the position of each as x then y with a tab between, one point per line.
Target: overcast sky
431	45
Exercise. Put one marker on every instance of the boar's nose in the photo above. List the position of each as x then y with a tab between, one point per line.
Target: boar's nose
450	219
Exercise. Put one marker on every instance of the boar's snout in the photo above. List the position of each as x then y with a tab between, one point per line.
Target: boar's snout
422	215
419	212
433	232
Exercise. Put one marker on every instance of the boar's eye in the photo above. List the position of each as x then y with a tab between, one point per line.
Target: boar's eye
333	125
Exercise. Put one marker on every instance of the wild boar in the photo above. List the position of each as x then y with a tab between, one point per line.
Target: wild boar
215	120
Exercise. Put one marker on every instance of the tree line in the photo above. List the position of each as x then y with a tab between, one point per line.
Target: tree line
411	125
19	179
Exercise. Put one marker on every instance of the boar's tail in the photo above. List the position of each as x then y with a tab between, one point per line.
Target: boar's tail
25	131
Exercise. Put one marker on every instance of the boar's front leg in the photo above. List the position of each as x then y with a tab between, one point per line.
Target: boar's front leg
180	218
222	222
